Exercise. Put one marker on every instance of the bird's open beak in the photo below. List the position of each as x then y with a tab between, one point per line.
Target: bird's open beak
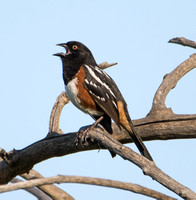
62	54
66	47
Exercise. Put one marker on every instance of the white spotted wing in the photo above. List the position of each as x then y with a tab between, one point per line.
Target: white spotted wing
103	90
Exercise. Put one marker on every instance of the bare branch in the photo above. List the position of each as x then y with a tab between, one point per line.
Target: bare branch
61	101
65	145
149	168
183	41
105	65
169	82
34	191
87	180
22	161
51	190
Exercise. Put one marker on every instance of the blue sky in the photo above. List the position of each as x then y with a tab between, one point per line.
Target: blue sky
133	33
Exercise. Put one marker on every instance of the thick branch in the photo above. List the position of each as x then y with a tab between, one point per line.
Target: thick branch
23	160
149	168
87	180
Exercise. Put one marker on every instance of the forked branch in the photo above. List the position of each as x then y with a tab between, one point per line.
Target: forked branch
169	82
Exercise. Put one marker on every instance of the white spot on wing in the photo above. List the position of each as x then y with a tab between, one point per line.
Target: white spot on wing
115	104
101	71
93	84
98	79
86	81
98	97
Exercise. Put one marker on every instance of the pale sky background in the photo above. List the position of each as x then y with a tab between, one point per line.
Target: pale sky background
133	33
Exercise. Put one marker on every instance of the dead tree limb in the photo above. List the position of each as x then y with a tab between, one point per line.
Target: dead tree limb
87	180
169	82
33	190
183	41
50	190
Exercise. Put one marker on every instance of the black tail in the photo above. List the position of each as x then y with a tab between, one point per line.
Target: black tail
138	142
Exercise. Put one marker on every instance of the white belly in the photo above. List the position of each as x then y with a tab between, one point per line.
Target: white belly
72	93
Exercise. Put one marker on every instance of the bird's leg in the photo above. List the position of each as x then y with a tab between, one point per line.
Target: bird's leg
83	134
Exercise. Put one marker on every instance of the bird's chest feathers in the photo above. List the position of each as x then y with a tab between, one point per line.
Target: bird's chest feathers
79	96
72	91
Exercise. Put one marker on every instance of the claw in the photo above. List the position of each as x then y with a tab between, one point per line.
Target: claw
83	134
83	137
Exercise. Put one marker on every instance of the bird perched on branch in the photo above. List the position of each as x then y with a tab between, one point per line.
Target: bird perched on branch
94	92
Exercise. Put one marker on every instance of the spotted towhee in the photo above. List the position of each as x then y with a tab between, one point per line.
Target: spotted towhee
94	92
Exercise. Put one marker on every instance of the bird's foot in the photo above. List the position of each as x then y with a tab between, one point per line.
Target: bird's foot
83	135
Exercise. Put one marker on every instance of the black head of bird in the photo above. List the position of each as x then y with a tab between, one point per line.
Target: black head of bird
76	52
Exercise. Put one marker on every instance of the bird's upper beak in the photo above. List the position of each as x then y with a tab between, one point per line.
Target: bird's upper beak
62	45
63	54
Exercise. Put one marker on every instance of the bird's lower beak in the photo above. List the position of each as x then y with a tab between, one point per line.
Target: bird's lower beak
60	54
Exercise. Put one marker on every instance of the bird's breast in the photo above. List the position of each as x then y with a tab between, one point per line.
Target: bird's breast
72	92
80	97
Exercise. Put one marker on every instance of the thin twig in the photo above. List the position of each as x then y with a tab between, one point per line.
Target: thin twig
87	180
34	191
183	41
106	65
51	190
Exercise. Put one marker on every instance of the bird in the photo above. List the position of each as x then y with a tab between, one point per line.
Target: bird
94	92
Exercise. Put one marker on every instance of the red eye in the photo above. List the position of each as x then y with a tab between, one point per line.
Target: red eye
74	47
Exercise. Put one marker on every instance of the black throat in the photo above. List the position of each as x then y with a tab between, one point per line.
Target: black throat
70	69
72	65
